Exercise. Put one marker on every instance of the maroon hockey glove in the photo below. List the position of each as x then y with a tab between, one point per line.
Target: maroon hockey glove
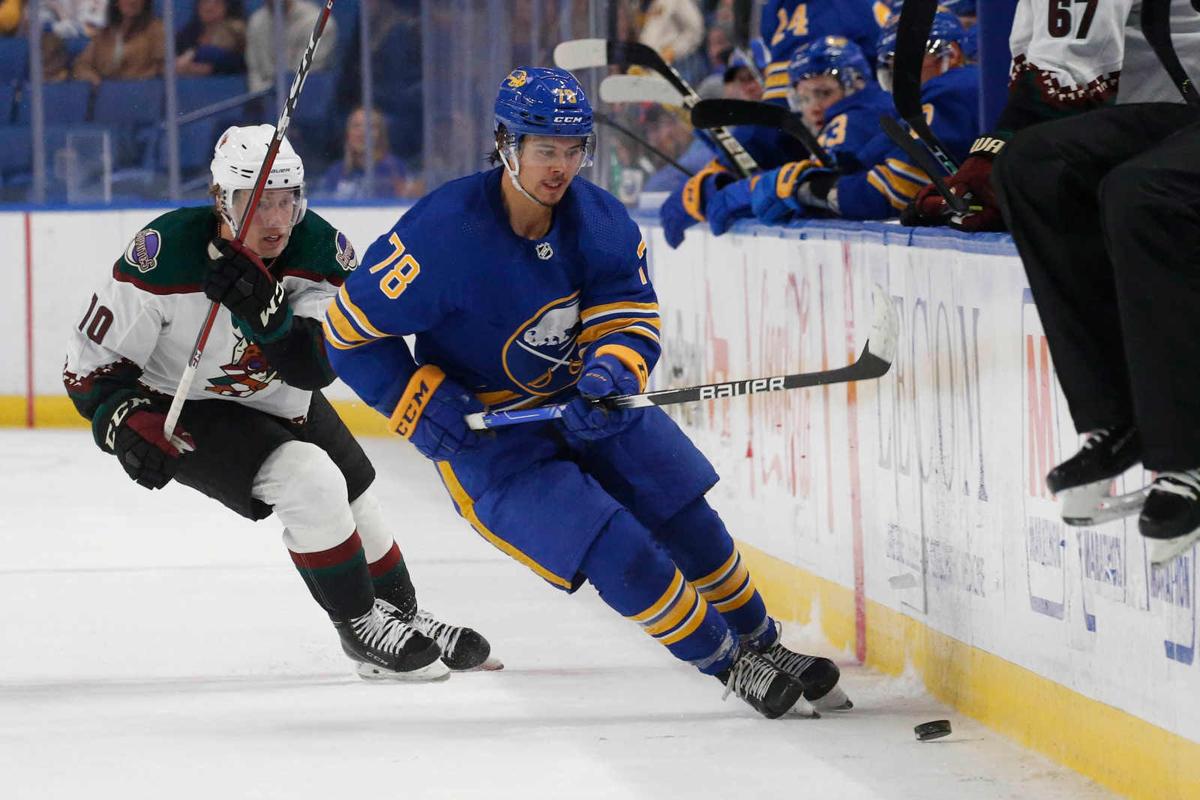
134	432
973	181
238	280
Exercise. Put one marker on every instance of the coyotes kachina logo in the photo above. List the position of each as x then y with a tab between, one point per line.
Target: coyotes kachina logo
246	373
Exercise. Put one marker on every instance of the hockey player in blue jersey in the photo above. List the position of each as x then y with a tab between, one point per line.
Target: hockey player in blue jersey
832	87
886	181
526	284
788	25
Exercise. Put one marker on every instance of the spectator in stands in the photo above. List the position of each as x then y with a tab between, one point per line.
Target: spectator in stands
214	40
669	134
394	40
10	16
130	47
300	16
69	19
675	28
347	179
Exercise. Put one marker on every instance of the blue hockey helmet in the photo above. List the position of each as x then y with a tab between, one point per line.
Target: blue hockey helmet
832	55
945	31
542	101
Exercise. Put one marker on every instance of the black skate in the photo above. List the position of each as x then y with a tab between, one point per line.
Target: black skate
386	648
1170	520
463	649
1082	481
771	691
818	674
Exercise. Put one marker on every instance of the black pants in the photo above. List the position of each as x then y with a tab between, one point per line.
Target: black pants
233	441
1105	211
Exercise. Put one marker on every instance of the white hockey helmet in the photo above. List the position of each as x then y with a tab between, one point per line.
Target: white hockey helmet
237	157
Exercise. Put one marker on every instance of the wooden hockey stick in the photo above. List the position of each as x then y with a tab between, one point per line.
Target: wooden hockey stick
874	362
605	119
590	53
912	36
1156	27
901	135
708	113
639	89
285	118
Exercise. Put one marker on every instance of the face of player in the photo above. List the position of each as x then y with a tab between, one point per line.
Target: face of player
549	164
812	97
273	220
743	86
935	65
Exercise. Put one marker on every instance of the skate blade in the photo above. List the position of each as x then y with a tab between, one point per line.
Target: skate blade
833	700
492	664
435	671
1164	550
804	710
1092	504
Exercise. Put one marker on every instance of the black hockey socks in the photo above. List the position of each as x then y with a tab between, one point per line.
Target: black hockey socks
338	578
389	575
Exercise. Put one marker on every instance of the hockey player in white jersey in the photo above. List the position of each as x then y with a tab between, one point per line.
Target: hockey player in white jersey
1103	209
256	434
1068	58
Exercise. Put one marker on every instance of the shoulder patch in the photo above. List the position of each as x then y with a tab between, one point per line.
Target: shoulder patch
344	252
144	250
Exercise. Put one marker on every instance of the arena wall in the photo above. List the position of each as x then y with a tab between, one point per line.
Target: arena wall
905	518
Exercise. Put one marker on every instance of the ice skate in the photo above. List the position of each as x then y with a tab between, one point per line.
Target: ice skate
463	649
386	648
818	674
1084	480
1170	520
768	689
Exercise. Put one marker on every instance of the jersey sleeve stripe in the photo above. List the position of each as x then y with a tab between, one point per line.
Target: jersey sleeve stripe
589	315
356	314
881	187
341	329
644	327
913	173
905	188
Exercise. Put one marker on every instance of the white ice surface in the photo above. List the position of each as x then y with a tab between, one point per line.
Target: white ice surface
154	645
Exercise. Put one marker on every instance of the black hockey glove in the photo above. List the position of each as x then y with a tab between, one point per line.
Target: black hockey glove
238	280
133	431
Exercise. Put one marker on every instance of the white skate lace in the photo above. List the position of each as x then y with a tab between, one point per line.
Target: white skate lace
1098	437
750	677
1186	484
788	661
445	635
381	631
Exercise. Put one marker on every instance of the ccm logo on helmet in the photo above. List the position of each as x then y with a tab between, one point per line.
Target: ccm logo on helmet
568	119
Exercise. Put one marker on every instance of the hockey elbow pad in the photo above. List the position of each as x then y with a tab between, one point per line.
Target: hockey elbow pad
432	414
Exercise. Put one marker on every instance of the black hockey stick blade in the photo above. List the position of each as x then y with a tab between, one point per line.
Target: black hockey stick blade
711	113
1156	27
915	150
589	53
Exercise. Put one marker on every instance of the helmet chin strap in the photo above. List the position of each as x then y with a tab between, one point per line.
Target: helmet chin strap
513	171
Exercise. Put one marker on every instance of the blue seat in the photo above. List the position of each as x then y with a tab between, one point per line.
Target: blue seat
8	94
16	150
14	58
196	142
196	93
129	102
62	103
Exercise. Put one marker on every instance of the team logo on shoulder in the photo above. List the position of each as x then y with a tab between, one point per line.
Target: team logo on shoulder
517	78
542	356
143	251
345	256
544	251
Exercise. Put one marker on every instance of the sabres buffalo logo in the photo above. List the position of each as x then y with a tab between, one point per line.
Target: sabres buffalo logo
144	249
542	356
517	78
246	373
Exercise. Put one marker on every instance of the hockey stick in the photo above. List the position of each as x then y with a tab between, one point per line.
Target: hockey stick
874	362
912	36
285	118
589	53
708	113
639	89
896	131
1156	27
605	119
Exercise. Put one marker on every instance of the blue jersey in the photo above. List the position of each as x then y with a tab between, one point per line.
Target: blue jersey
890	181
852	123
511	319
787	25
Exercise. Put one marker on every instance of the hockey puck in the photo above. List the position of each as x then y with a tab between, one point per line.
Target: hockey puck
932	730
